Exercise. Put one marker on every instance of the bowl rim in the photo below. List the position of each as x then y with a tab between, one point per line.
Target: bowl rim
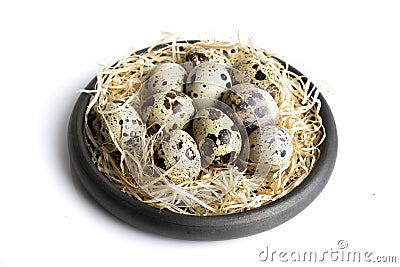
191	227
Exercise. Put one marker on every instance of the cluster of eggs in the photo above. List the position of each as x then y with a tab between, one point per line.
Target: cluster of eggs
198	136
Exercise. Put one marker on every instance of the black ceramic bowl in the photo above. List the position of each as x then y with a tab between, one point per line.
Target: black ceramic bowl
164	222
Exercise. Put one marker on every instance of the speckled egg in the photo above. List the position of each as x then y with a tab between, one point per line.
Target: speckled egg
208	80
259	73
170	109
177	152
200	54
123	122
217	136
270	145
165	77
254	106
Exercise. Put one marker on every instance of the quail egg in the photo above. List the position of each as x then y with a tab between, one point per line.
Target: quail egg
255	107
123	122
200	54
217	136
270	145
165	77
177	153
259	73
171	110
208	80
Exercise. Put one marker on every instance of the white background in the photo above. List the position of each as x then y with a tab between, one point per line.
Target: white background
50	50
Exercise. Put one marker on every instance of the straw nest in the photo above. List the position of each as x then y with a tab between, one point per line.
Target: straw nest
236	188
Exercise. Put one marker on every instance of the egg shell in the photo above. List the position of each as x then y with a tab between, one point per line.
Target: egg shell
217	136
254	106
258	72
178	150
123	122
165	77
270	145
171	109
208	80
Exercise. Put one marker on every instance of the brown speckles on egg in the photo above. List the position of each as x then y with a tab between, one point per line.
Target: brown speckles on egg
200	54
201	57
176	107
177	152
165	77
179	145
180	94
167	104
171	109
196	57
171	94
260	75
124	124
217	135
270	145
208	80
253	106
